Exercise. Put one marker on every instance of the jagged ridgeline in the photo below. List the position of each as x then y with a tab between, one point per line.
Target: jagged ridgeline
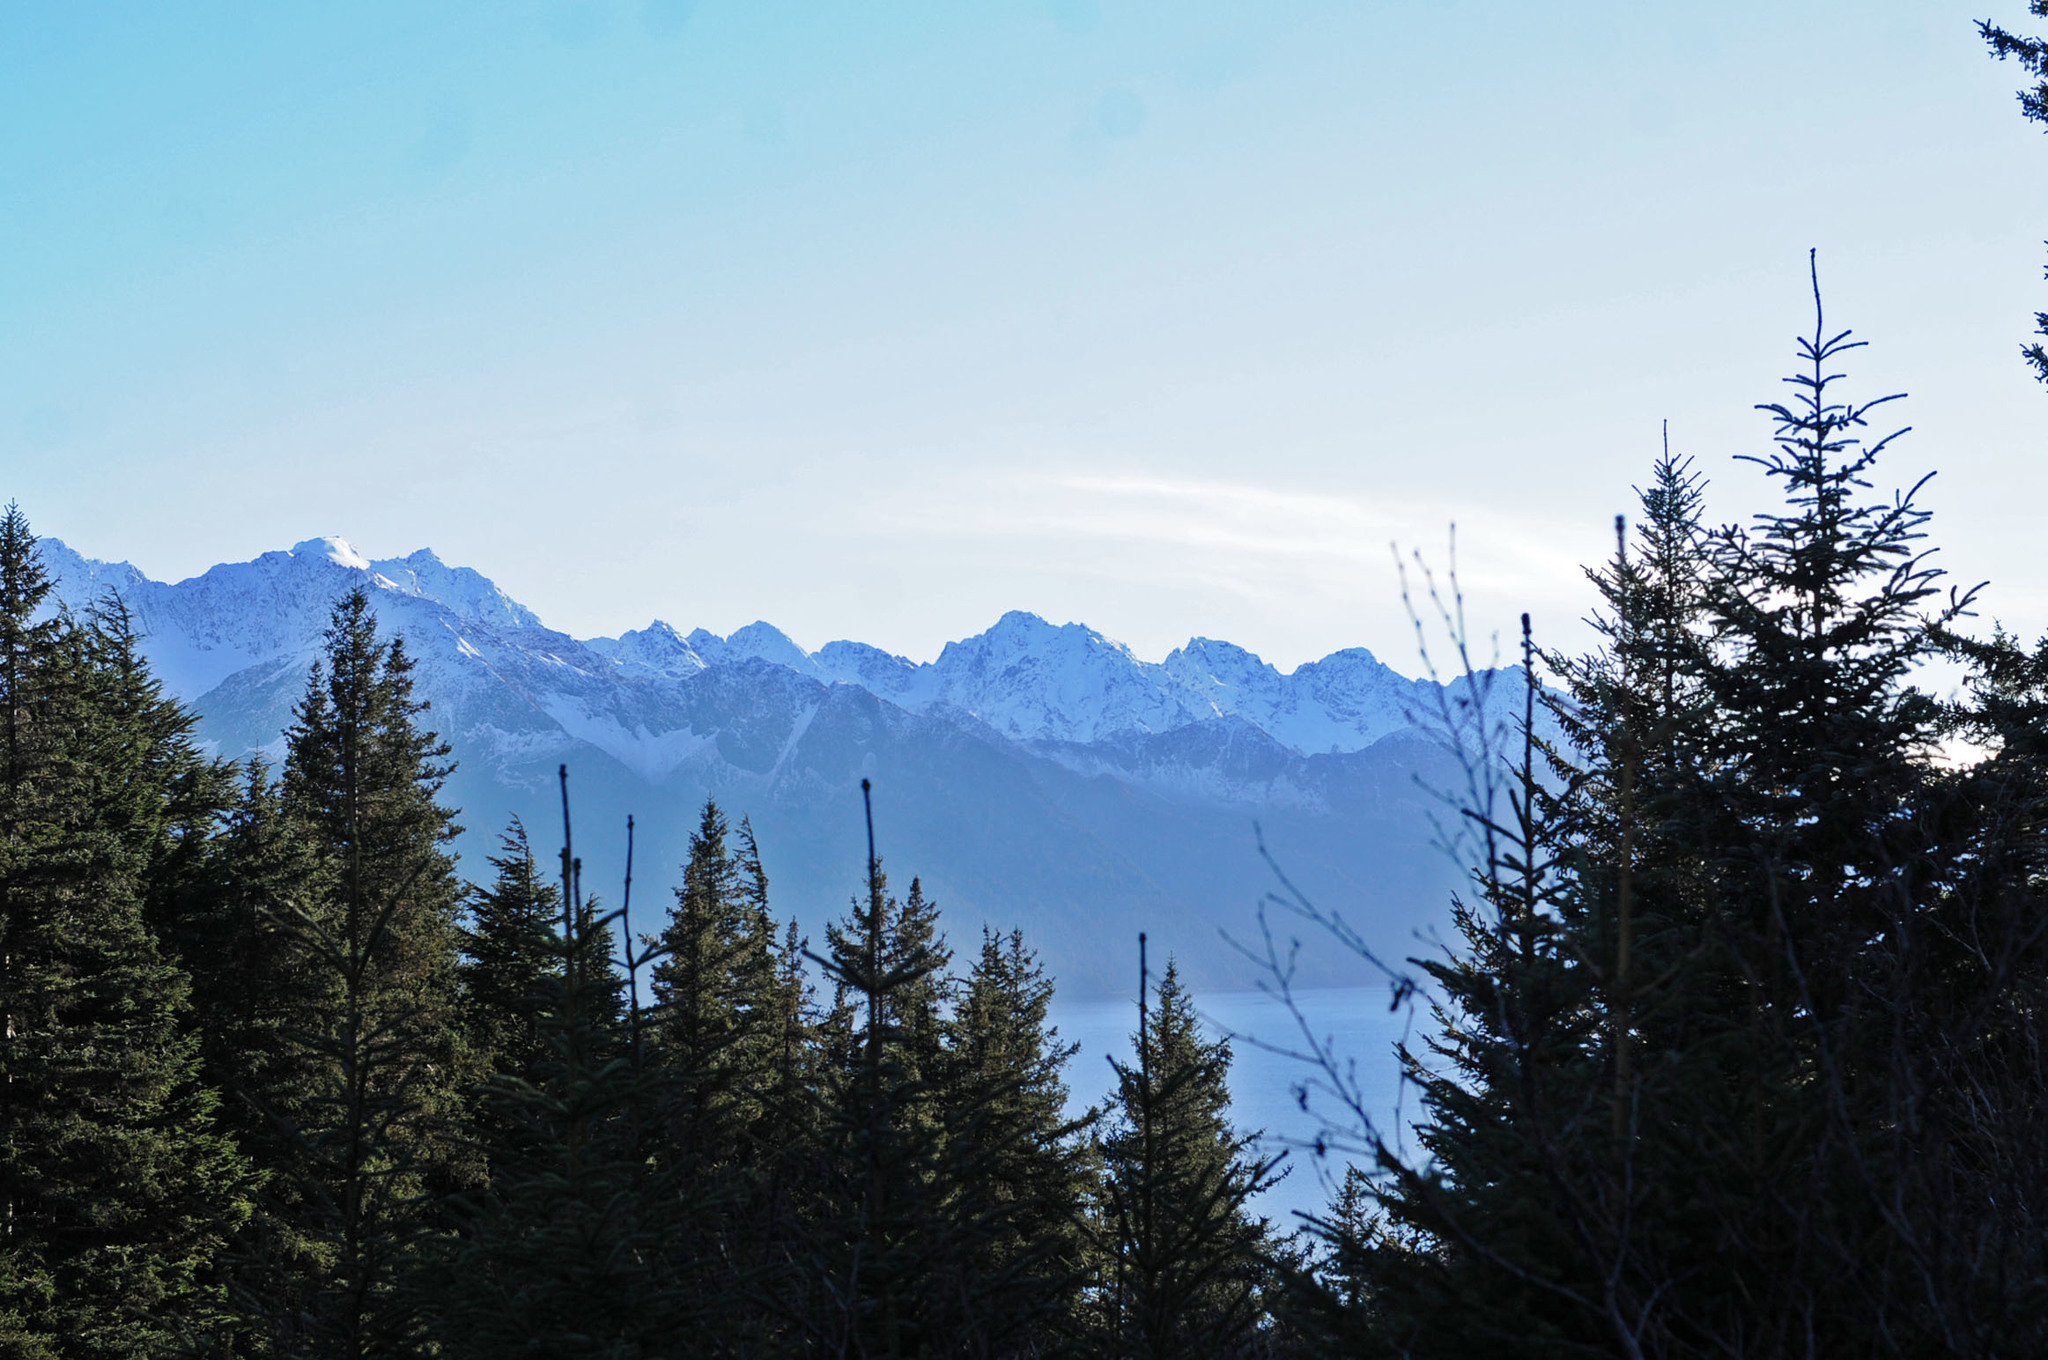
1038	776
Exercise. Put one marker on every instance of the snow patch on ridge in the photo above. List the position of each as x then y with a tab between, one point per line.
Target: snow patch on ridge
339	551
651	755
1026	679
469	593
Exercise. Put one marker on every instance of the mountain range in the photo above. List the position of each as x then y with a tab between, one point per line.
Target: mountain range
1035	775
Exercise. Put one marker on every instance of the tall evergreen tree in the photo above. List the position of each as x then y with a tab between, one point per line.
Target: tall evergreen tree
235	937
881	1224
1586	938
1819	770
1970	1000
731	1100
251	1003
117	1188
1697	1050
579	1246
772	1232
1189	1273
717	1020
780	1034
169	816
1019	1164
511	950
780	1024
378	1063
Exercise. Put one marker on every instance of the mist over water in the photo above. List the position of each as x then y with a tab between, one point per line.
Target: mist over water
1265	1086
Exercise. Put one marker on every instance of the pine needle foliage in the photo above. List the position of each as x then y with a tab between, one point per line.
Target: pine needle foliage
117	1187
578	1247
511	952
885	1220
720	1001
1734	1037
369	1103
1021	1165
1189	1262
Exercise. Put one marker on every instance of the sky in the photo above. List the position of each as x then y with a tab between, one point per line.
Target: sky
879	320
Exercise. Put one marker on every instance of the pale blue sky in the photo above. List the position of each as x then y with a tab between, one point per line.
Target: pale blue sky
876	320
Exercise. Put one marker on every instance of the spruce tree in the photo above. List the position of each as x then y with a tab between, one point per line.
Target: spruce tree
510	950
1019	1163
717	1017
1189	1273
722	1037
782	1017
1698	1087
378	1066
251	1004
882	1225
780	1024
1818	771
773	1232
1970	999
237	942
579	1246
117	1189
1584	939
169	817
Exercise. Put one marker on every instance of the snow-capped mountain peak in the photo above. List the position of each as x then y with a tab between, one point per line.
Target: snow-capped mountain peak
339	551
1027	679
758	640
658	648
1032	680
1040	772
468	592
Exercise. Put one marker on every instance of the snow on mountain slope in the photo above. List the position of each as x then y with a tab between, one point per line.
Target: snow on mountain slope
656	649
757	641
1029	680
469	593
1032	681
1035	774
200	631
1035	682
891	677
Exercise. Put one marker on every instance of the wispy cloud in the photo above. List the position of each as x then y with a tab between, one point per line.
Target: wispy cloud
1252	539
